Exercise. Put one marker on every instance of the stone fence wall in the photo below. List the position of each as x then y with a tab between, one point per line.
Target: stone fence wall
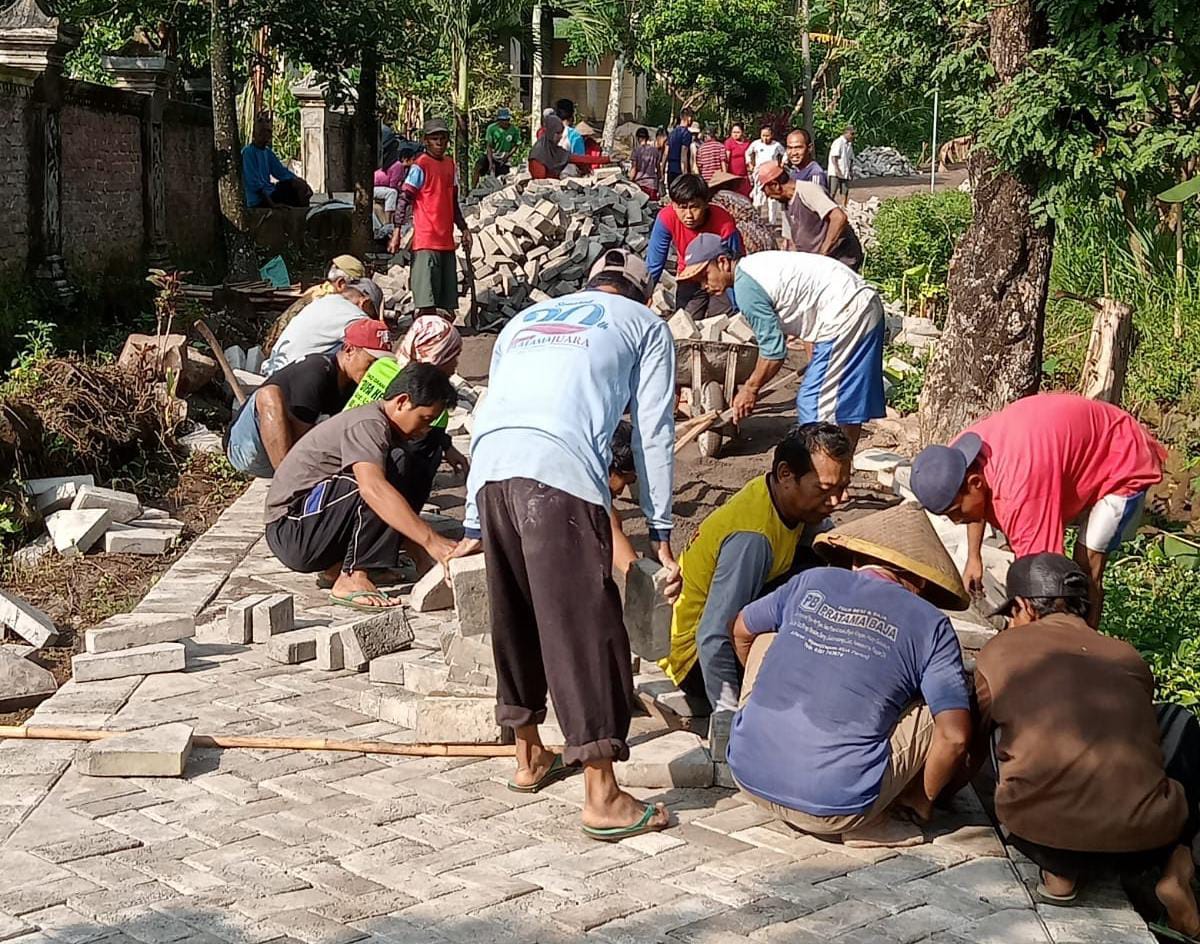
101	181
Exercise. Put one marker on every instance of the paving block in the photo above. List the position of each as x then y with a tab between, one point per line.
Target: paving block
123	506
647	612
468	577
149	541
35	487
27	621
382	633
131	630
34	552
145	660
720	723
471	653
683	327
23	683
739	328
457	720
353	656
56	498
293	647
75	531
723	776
271	615
161	751
331	654
239	619
164	523
390	669
429	678
678	759
431	593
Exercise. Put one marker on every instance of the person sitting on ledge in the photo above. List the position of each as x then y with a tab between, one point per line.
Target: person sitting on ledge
1088	779
337	503
267	182
855	704
756	537
291	400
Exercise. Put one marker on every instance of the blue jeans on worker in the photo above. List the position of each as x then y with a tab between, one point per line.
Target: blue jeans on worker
245	449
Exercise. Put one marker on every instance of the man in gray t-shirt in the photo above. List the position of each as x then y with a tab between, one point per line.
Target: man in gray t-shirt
815	222
339	502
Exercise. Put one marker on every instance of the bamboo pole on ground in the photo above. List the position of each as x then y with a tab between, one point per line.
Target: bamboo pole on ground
252	742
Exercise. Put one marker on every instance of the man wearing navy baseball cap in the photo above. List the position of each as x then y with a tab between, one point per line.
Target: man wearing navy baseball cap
808	296
1035	467
501	139
1088	778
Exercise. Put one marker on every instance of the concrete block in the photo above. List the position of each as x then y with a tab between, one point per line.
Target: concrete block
27	621
75	531
389	669
877	460
254	360
35	487
123	506
740	329
647	612
678	759
236	357
720	723
712	328
163	523
468	577
428	678
331	654
457	720
145	660
131	630
160	751
239	619
34	552
723	776
149	541
294	647
683	328
382	633
56	498
272	615
431	593
902	482
23	683
353	656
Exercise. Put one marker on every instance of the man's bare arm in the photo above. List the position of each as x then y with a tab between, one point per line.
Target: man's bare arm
276	426
838	221
392	507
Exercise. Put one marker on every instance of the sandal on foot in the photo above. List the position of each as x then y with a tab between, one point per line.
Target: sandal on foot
350	600
617	833
1046	897
558	770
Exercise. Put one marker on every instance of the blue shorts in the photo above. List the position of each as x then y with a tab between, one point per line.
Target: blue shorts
246	451
844	381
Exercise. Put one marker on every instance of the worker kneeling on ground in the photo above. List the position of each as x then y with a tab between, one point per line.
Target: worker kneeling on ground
1038	465
762	533
291	400
814	298
854	704
1089	779
337	502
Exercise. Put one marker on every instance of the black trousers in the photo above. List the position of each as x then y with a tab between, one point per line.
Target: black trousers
1181	752
331	522
556	617
696	301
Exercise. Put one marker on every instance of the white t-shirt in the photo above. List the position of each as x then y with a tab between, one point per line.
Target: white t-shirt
841	158
318	329
760	153
815	298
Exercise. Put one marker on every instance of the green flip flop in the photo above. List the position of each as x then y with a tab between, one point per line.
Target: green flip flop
617	833
350	598
558	770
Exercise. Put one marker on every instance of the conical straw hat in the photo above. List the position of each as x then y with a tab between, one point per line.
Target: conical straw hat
903	537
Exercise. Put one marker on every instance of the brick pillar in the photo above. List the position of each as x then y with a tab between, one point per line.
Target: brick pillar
314	136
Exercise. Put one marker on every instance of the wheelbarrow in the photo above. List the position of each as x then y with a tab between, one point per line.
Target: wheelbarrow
713	370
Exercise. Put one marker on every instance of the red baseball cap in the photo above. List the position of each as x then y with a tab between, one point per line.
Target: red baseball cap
768	172
374	337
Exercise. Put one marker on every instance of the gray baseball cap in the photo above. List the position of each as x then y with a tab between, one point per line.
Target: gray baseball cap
369	288
623	262
1043	576
435	126
938	472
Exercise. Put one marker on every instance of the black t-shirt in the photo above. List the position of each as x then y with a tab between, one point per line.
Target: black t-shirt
310	387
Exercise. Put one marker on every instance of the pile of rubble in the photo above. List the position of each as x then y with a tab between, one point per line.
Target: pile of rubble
918	333
882	162
80	516
862	218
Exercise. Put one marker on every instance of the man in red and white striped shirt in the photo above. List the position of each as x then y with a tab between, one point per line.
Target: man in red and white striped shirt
711	156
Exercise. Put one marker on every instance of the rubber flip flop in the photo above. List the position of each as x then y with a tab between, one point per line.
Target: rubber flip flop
1049	898
558	770
617	833
349	599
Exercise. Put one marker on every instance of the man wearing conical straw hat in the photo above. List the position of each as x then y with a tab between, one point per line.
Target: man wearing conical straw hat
855	703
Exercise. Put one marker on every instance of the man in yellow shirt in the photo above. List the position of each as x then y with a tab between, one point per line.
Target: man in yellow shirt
746	544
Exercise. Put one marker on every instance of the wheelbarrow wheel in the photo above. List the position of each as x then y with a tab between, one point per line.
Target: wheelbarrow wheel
711	398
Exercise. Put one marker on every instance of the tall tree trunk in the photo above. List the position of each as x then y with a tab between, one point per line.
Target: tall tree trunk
990	352
239	244
806	58
462	117
366	141
537	90
612	114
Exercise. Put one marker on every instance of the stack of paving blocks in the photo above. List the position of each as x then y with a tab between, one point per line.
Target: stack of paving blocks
722	329
133	644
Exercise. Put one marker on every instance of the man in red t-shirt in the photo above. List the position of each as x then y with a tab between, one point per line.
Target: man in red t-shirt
690	214
1035	467
431	190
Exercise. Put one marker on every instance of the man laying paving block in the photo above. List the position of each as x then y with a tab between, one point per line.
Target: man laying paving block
811	297
1035	467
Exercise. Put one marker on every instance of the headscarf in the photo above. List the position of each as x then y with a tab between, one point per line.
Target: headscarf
547	151
431	340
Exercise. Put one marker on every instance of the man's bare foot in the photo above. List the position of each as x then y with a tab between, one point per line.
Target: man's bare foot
358	582
1174	890
540	762
622	810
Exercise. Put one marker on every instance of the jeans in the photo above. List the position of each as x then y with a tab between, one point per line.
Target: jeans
246	451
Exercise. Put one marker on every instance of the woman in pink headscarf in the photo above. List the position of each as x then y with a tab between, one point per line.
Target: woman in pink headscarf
432	340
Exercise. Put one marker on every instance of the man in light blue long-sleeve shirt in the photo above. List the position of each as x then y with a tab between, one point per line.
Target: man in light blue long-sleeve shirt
563	373
266	181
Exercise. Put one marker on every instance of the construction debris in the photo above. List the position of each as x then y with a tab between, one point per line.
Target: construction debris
76	530
27	621
23	683
882	162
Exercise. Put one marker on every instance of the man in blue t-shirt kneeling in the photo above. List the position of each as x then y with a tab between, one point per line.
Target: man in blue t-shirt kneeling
855	704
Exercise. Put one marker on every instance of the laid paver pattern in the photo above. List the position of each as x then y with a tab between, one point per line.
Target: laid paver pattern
256	846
